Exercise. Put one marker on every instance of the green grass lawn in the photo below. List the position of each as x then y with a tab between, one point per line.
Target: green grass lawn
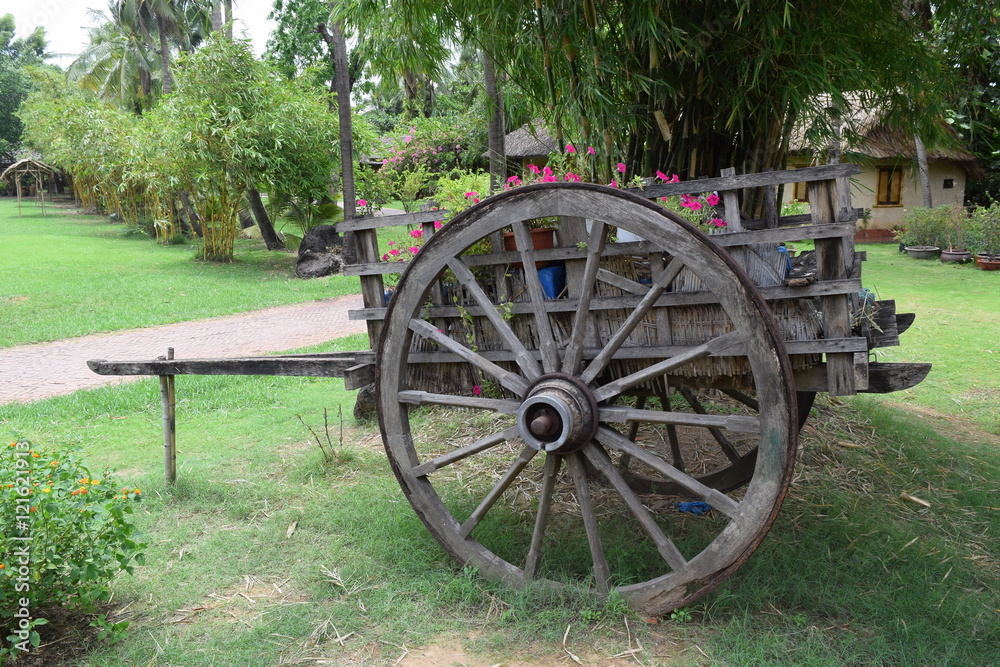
957	329
68	274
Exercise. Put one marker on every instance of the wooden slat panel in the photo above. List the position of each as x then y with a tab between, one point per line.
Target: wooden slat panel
831	266
775	236
830	287
821	173
376	222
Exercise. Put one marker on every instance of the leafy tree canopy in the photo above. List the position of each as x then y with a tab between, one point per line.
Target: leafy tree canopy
16	56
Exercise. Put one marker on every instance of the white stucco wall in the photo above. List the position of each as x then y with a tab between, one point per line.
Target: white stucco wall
884	217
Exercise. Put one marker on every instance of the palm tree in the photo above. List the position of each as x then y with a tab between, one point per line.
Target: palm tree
116	65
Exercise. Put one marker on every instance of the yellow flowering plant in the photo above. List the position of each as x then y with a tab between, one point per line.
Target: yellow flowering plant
64	534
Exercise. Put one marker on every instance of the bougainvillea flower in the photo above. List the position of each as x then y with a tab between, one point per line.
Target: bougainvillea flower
712	199
393	252
476	391
570	149
621	167
590	150
362	203
663	177
533	169
416	233
437	224
514	179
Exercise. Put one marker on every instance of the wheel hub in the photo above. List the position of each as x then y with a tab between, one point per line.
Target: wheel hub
559	414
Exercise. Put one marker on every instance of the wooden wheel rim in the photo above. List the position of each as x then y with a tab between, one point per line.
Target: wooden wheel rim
762	343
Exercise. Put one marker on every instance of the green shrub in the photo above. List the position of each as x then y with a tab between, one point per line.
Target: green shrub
984	230
925	226
65	535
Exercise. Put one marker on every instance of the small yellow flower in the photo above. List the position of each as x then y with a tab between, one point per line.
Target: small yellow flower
137	492
35	455
47	490
83	481
95	481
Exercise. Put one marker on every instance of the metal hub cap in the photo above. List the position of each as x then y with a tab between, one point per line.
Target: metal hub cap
558	415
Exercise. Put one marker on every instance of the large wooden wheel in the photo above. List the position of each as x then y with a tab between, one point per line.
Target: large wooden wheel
545	488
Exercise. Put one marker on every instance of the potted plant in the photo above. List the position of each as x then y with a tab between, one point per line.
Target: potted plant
985	236
955	244
923	228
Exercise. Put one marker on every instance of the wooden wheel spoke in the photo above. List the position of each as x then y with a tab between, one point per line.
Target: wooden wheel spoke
480	445
502	406
602	573
735	423
718	345
720	438
600	362
595	246
512	381
493	496
718	500
746	400
600	460
546	338
525	361
549	474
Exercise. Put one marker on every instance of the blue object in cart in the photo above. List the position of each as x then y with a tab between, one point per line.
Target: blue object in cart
553	279
696	507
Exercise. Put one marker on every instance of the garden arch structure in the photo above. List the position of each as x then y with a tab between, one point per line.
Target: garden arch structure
29	167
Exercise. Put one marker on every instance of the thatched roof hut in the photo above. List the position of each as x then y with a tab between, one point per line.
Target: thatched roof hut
529	144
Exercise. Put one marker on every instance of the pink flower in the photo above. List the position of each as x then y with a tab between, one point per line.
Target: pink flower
546	171
437	224
394	252
408	138
663	177
590	150
475	200
718	222
385	258
712	199
621	167
392	243
688	202
414	249
362	203
533	169
664	199
476	391
471	194
549	179
570	149
570	176
416	233
613	183
514	179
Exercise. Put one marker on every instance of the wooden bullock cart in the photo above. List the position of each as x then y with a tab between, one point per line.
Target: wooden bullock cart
670	367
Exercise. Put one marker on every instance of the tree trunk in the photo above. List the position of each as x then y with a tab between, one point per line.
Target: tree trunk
334	38
496	131
925	182
168	78
216	15
267	232
229	19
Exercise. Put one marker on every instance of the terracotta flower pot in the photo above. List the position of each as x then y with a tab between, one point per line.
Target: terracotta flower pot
988	262
922	251
959	256
540	239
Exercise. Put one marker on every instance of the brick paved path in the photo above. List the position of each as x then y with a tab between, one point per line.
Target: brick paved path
33	372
